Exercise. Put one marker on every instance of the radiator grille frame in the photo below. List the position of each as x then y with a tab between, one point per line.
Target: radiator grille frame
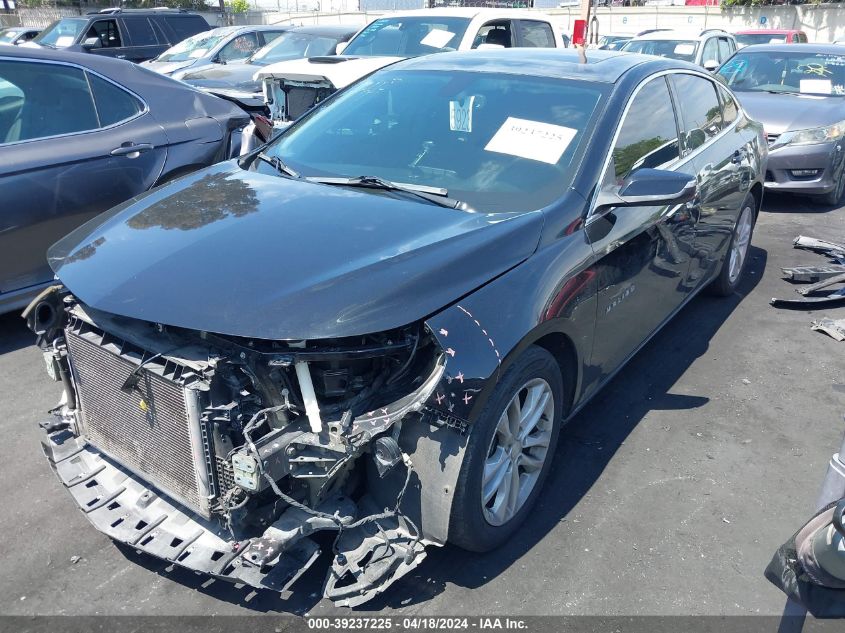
154	430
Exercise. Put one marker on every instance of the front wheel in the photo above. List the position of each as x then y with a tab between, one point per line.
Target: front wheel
509	453
736	259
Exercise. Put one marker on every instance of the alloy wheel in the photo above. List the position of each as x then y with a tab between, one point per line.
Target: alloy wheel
517	451
739	248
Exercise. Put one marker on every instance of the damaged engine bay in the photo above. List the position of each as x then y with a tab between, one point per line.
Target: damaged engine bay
224	455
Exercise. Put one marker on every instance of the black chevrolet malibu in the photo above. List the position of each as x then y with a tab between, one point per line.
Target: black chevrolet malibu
377	324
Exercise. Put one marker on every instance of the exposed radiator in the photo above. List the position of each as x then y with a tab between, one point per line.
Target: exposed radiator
152	428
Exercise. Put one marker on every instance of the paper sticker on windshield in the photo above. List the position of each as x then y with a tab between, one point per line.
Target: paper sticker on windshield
816	86
531	139
198	52
64	40
684	49
460	115
437	38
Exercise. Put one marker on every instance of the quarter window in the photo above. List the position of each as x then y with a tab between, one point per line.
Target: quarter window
701	114
729	107
41	100
107	32
649	134
113	104
536	34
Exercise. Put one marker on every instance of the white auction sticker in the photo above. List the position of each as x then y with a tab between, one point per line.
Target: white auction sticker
531	139
816	86
460	115
684	49
64	40
437	38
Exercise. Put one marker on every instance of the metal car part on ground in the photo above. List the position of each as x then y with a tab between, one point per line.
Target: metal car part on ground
82	133
395	339
823	277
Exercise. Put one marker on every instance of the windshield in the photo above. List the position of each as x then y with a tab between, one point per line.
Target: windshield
676	49
766	71
195	46
497	142
62	33
7	35
408	36
294	46
760	38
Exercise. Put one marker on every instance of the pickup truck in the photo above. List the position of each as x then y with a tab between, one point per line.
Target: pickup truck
293	87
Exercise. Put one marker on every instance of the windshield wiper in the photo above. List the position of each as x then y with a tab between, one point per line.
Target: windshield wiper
278	164
435	195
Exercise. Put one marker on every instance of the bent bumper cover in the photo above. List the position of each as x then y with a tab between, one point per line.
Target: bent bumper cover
128	510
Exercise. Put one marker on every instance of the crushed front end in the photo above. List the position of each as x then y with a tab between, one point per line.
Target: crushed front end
224	455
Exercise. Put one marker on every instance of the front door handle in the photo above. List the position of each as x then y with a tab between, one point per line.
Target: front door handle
738	156
131	150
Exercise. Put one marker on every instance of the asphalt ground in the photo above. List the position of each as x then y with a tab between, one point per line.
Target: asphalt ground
669	494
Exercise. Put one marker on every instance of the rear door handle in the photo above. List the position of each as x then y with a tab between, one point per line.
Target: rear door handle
131	150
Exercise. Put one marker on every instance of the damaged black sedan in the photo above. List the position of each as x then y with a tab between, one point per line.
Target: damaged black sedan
375	326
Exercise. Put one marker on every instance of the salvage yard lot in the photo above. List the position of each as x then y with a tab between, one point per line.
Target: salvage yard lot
669	493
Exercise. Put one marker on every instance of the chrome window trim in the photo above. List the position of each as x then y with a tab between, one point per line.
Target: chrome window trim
681	159
144	110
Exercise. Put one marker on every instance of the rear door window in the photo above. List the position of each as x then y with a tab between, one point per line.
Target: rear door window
535	34
114	104
140	31
41	100
701	113
649	135
725	49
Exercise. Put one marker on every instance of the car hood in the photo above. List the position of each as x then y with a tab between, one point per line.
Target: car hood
225	76
166	68
781	112
248	254
339	70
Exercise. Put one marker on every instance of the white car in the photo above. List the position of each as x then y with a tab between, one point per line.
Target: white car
293	87
707	48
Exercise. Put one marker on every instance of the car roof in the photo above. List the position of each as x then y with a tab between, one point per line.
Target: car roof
98	63
559	63
764	31
328	30
226	30
460	12
678	34
833	49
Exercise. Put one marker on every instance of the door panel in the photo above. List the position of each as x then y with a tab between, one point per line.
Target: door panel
720	164
56	172
642	253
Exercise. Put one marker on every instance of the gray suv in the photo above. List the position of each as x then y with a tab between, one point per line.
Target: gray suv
136	35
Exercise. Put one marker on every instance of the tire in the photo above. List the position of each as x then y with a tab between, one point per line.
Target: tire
475	526
731	274
833	198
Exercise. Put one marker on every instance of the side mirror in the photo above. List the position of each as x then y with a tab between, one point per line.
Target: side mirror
341	46
711	65
650	187
91	42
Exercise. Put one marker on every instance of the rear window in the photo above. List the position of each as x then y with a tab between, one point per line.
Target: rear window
186	25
